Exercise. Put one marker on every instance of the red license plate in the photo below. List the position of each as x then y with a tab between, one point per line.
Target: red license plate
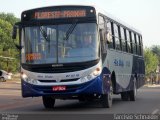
59	88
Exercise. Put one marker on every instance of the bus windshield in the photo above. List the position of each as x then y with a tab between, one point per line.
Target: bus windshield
48	44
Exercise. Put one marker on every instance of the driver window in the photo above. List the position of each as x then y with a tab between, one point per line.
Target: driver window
101	27
102	32
101	22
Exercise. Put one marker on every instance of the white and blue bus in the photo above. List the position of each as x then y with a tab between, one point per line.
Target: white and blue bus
56	62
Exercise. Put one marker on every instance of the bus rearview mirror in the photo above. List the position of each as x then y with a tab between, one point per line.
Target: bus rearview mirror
14	32
14	36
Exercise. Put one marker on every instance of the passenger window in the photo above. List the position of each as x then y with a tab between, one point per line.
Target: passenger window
133	43
130	36
123	39
116	37
141	45
109	27
128	41
138	44
120	40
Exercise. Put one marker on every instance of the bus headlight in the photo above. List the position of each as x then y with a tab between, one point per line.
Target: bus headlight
27	79
91	76
24	76
97	71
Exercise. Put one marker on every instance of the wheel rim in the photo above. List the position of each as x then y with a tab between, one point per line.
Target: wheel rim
110	93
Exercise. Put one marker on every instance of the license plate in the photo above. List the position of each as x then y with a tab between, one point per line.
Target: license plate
59	88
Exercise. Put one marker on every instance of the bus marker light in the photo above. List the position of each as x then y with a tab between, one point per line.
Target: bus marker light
59	88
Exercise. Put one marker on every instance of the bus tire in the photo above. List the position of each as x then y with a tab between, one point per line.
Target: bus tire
48	101
106	99
133	93
81	99
124	96
113	78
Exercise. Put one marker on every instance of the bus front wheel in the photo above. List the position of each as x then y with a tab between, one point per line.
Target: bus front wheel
48	101
106	99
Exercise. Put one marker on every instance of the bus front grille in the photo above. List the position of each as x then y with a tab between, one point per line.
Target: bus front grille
63	80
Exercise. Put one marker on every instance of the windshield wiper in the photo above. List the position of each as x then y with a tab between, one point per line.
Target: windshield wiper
70	30
44	34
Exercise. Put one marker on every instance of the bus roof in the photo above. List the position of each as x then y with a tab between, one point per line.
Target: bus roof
102	11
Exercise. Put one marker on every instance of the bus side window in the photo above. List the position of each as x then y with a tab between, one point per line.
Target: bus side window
109	27
133	43
125	34
140	45
128	41
116	37
138	50
113	39
123	39
120	40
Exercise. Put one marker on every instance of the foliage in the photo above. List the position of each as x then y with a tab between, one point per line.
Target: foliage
9	17
156	50
7	48
151	61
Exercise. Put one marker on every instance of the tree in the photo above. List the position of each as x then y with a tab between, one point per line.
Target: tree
9	17
5	35
156	50
7	47
151	61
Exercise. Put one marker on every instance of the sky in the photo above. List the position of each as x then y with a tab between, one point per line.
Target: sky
143	15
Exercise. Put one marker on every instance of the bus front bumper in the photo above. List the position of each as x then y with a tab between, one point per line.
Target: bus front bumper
92	87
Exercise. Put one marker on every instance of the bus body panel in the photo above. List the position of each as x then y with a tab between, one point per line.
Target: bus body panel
126	67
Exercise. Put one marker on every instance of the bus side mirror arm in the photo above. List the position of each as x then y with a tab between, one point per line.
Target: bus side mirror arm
14	32
14	36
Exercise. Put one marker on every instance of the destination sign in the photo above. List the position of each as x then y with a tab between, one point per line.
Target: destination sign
33	56
59	14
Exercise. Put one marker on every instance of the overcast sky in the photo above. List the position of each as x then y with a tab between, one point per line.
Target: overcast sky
143	15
